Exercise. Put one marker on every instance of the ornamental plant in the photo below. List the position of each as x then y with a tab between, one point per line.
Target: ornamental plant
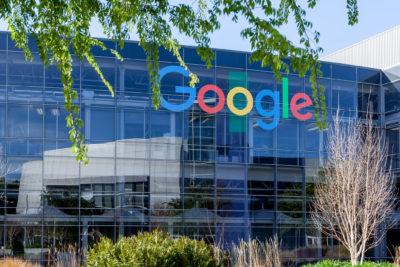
155	249
331	263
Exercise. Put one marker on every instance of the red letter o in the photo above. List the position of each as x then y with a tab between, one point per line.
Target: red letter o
218	91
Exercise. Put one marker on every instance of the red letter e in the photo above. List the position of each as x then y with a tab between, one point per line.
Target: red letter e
294	107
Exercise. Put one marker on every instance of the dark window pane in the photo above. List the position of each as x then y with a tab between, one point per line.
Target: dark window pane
3	40
165	55
98	51
3	67
190	56
344	72
131	50
231	59
368	75
31	44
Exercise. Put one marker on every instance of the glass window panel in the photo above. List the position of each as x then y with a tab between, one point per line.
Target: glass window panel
3	66
57	144
60	169
55	96
161	125
61	234
92	80
392	97
2	119
25	121
327	86
261	138
311	136
25	173
53	75
22	72
295	85
286	157
326	69
31	43
100	172
3	40
231	145
96	97
259	80
62	200
261	156
231	59
98	51
261	189
386	78
368	99
136	77
55	122
24	147
99	123
256	65
25	94
132	124
288	134
131	50
133	100
368	75
166	205
290	208
290	179
344	95
190	56
166	55
344	72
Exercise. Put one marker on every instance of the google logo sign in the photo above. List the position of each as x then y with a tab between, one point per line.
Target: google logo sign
298	101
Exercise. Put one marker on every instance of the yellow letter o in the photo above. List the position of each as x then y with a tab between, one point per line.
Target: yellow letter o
231	106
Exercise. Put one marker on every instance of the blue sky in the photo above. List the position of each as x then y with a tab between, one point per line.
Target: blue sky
328	17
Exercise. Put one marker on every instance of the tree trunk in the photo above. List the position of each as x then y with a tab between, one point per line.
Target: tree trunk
354	261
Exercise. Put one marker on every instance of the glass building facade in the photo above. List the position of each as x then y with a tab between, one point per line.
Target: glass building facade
218	176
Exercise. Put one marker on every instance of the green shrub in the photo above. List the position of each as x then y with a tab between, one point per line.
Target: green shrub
331	263
154	249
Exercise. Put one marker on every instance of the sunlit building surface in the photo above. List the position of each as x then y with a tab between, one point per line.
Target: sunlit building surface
217	176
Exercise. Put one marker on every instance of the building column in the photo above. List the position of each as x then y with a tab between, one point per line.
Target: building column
85	230
319	245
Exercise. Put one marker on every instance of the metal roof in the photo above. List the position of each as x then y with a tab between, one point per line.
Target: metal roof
381	51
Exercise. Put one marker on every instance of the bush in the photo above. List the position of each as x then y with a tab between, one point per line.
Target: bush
154	249
330	263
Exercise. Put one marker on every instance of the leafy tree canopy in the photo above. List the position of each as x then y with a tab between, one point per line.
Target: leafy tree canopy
62	26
